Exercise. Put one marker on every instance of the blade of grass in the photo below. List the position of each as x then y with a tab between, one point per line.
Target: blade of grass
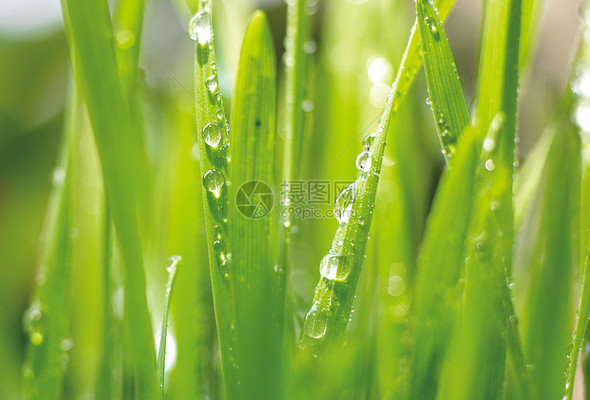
259	285
551	261
214	151
444	88
47	319
440	265
478	328
327	320
171	269
91	39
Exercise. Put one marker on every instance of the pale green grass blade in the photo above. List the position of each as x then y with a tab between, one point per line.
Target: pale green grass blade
550	261
259	284
440	266
444	88
327	320
214	151
171	269
477	336
97	77
47	319
298	21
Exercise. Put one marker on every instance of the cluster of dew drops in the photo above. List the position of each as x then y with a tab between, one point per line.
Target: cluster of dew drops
336	266
215	134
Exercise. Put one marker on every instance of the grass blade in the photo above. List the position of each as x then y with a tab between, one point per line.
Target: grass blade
439	268
259	285
98	79
214	150
171	269
444	88
550	262
328	317
47	319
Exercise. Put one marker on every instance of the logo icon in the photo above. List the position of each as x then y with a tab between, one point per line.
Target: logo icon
254	199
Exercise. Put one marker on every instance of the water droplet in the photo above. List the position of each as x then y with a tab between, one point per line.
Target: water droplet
489	144
307	105
212	133
310	46
364	161
428	101
397	285
67	344
431	23
219	114
211	84
33	323
343	203
489	164
171	263
58	177
200	28
316	322
125	39
214	181
335	267
368	142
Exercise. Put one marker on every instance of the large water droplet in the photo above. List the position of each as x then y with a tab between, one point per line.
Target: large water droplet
214	181
199	28
212	133
364	160
316	322
343	203
335	267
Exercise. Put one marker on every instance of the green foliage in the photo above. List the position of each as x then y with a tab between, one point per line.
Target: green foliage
450	276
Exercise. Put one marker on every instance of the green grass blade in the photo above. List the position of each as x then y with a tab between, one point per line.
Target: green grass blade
327	320
444	88
171	269
550	263
214	150
296	66
98	79
259	285
477	337
440	266
47	319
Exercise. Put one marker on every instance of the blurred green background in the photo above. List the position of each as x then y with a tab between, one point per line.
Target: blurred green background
357	49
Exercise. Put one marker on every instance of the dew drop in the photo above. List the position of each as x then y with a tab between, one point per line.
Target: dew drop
219	115
335	267
431	23
58	177
211	83
200	28
67	344
489	164
343	203
364	160
212	133
310	46
489	144
368	142
307	105
125	39
214	181
316	323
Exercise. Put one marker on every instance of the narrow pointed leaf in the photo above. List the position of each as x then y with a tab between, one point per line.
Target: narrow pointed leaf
444	88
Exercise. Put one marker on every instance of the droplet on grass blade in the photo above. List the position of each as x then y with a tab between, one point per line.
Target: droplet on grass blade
364	160
316	322
214	181
335	267
212	133
200	28
368	142
343	203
